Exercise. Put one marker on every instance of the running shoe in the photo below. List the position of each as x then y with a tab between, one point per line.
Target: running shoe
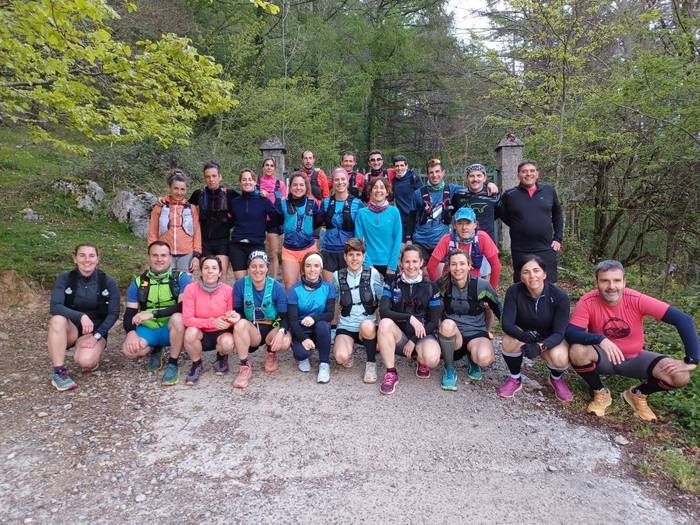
305	365
638	402
601	400
155	360
510	387
271	364
243	377
195	373
370	373
422	371
171	375
449	379
561	389
221	365
62	381
324	373
474	371
388	385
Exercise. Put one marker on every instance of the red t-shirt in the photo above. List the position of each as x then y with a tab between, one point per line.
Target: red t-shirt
622	323
487	247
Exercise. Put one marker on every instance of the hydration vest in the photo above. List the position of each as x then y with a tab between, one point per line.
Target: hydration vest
457	306
477	258
102	290
348	225
352	184
221	213
267	307
293	221
411	298
313	181
148	289
367	297
187	220
428	209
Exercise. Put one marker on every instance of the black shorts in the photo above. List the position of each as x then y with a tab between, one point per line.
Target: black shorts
276	230
264	330
639	367
381	268
463	351
333	261
209	340
238	253
215	247
355	335
95	323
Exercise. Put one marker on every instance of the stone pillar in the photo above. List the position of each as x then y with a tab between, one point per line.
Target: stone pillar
274	149
509	153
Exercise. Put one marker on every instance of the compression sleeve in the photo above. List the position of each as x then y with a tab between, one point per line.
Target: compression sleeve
577	335
685	325
328	312
128	321
167	312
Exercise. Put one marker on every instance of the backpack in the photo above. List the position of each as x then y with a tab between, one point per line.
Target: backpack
475	307
352	184
348	225
144	284
475	255
103	291
268	308
367	297
428	208
204	205
304	222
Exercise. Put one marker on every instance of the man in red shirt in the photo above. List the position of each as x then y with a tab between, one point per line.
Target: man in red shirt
317	177
606	334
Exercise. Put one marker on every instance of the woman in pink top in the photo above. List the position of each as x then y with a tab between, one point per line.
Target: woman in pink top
204	307
272	188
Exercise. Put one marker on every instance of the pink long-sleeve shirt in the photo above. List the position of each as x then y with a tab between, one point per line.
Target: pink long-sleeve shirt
200	308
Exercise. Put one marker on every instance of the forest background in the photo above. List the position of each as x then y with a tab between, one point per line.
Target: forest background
604	95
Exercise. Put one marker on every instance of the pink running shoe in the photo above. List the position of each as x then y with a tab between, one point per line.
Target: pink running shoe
388	385
510	387
422	371
561	389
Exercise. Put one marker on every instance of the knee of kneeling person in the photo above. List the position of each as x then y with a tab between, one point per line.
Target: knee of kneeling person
367	329
175	323
484	357
192	335
58	322
342	355
86	359
579	355
448	327
679	379
226	343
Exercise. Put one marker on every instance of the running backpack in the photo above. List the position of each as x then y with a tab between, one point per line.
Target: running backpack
428	210
102	290
267	307
367	297
145	282
472	300
348	225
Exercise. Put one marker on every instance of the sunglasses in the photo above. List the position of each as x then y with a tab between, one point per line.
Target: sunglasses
376	159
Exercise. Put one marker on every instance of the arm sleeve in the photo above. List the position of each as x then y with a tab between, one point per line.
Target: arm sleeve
294	324
685	325
560	319
557	218
385	308
577	335
128	321
167	312
510	312
490	297
57	306
114	308
396	241
329	311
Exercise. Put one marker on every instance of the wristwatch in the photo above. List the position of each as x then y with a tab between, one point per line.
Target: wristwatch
97	336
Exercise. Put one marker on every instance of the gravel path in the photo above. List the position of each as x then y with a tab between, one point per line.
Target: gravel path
122	449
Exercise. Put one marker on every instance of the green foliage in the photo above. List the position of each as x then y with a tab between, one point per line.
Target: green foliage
60	67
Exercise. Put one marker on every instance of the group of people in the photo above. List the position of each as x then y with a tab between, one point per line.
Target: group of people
382	260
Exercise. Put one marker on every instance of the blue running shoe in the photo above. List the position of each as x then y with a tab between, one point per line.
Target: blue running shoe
449	379
171	375
475	373
155	359
62	381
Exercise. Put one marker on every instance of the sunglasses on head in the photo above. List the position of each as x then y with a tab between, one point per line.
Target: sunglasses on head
434	162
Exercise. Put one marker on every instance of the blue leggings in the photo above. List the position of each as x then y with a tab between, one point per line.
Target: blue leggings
320	332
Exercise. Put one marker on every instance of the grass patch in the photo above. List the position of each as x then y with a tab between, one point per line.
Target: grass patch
684	471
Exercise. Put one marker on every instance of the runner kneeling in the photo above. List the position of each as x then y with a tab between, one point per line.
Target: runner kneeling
358	293
84	306
535	315
311	306
606	333
259	316
153	317
464	326
410	310
204	308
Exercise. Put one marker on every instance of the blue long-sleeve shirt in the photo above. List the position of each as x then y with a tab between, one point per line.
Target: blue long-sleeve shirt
382	235
249	214
335	238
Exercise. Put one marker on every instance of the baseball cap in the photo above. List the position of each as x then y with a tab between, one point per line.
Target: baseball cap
465	214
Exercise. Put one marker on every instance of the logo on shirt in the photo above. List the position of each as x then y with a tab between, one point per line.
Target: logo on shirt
616	328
